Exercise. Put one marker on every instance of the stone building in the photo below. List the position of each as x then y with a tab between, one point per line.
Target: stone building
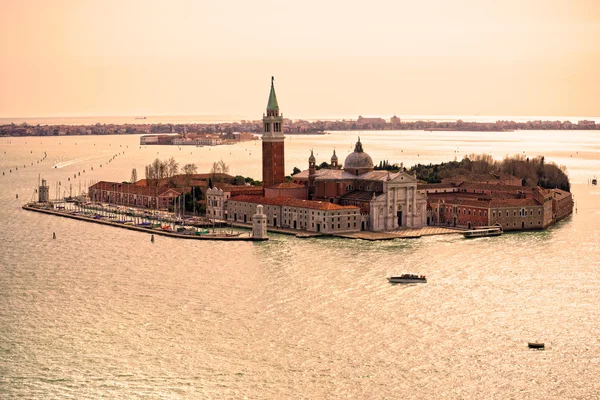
562	204
131	195
388	200
470	205
287	212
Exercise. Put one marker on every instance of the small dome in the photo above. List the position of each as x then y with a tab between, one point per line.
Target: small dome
358	160
334	156
312	157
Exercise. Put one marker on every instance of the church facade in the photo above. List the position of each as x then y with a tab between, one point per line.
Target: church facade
345	198
387	200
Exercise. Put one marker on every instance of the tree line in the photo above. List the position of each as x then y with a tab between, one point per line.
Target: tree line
532	171
165	169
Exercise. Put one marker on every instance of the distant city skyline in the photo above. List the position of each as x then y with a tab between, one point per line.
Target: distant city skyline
151	58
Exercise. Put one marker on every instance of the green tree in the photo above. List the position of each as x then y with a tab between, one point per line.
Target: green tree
239	180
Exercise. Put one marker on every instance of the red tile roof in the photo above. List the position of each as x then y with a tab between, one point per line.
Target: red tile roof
287	185
501	199
291	202
236	190
513	202
422	186
182	179
560	194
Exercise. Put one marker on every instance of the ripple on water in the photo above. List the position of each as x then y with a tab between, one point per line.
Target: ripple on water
105	312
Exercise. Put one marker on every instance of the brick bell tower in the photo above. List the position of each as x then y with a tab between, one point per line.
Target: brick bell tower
273	171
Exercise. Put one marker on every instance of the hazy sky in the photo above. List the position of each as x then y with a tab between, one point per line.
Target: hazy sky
329	58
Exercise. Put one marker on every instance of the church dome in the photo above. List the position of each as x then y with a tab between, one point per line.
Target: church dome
358	160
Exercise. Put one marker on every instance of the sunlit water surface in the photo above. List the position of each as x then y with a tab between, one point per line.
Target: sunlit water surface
103	312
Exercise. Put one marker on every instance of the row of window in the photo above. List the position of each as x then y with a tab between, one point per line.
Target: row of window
522	213
464	211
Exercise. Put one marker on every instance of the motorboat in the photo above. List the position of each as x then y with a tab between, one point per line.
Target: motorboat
407	278
483	232
536	345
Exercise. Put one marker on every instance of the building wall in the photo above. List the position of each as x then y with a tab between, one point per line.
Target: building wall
458	215
132	200
283	216
300	193
273	162
149	140
562	206
216	201
518	218
469	216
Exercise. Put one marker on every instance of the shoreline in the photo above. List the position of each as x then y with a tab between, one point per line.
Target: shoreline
29	207
363	235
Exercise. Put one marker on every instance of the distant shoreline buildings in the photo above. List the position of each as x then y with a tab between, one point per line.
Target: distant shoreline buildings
227	130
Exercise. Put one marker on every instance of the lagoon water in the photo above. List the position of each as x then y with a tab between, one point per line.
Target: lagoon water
103	312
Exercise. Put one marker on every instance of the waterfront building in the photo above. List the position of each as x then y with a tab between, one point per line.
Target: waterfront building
131	195
562	204
197	140
218	196
291	213
469	205
156	139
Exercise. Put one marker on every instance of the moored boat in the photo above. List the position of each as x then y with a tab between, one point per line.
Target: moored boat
407	278
483	232
536	345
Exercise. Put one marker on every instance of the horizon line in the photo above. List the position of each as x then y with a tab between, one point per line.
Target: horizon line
237	118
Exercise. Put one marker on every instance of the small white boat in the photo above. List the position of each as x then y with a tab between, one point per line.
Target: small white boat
407	278
483	232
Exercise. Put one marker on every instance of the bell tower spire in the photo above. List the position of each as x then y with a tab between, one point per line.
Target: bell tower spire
272	106
273	142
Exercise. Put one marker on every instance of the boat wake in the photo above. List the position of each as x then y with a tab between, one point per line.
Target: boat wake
63	164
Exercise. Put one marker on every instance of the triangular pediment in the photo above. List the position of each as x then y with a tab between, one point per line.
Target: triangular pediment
402	177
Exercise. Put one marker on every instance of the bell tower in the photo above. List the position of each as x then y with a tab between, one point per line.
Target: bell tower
273	143
312	171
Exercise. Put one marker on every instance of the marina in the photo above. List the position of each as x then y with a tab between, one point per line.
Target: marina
146	226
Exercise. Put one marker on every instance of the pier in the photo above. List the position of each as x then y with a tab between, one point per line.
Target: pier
47	209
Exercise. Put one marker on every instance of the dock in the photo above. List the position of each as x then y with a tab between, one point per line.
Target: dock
66	214
402	233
